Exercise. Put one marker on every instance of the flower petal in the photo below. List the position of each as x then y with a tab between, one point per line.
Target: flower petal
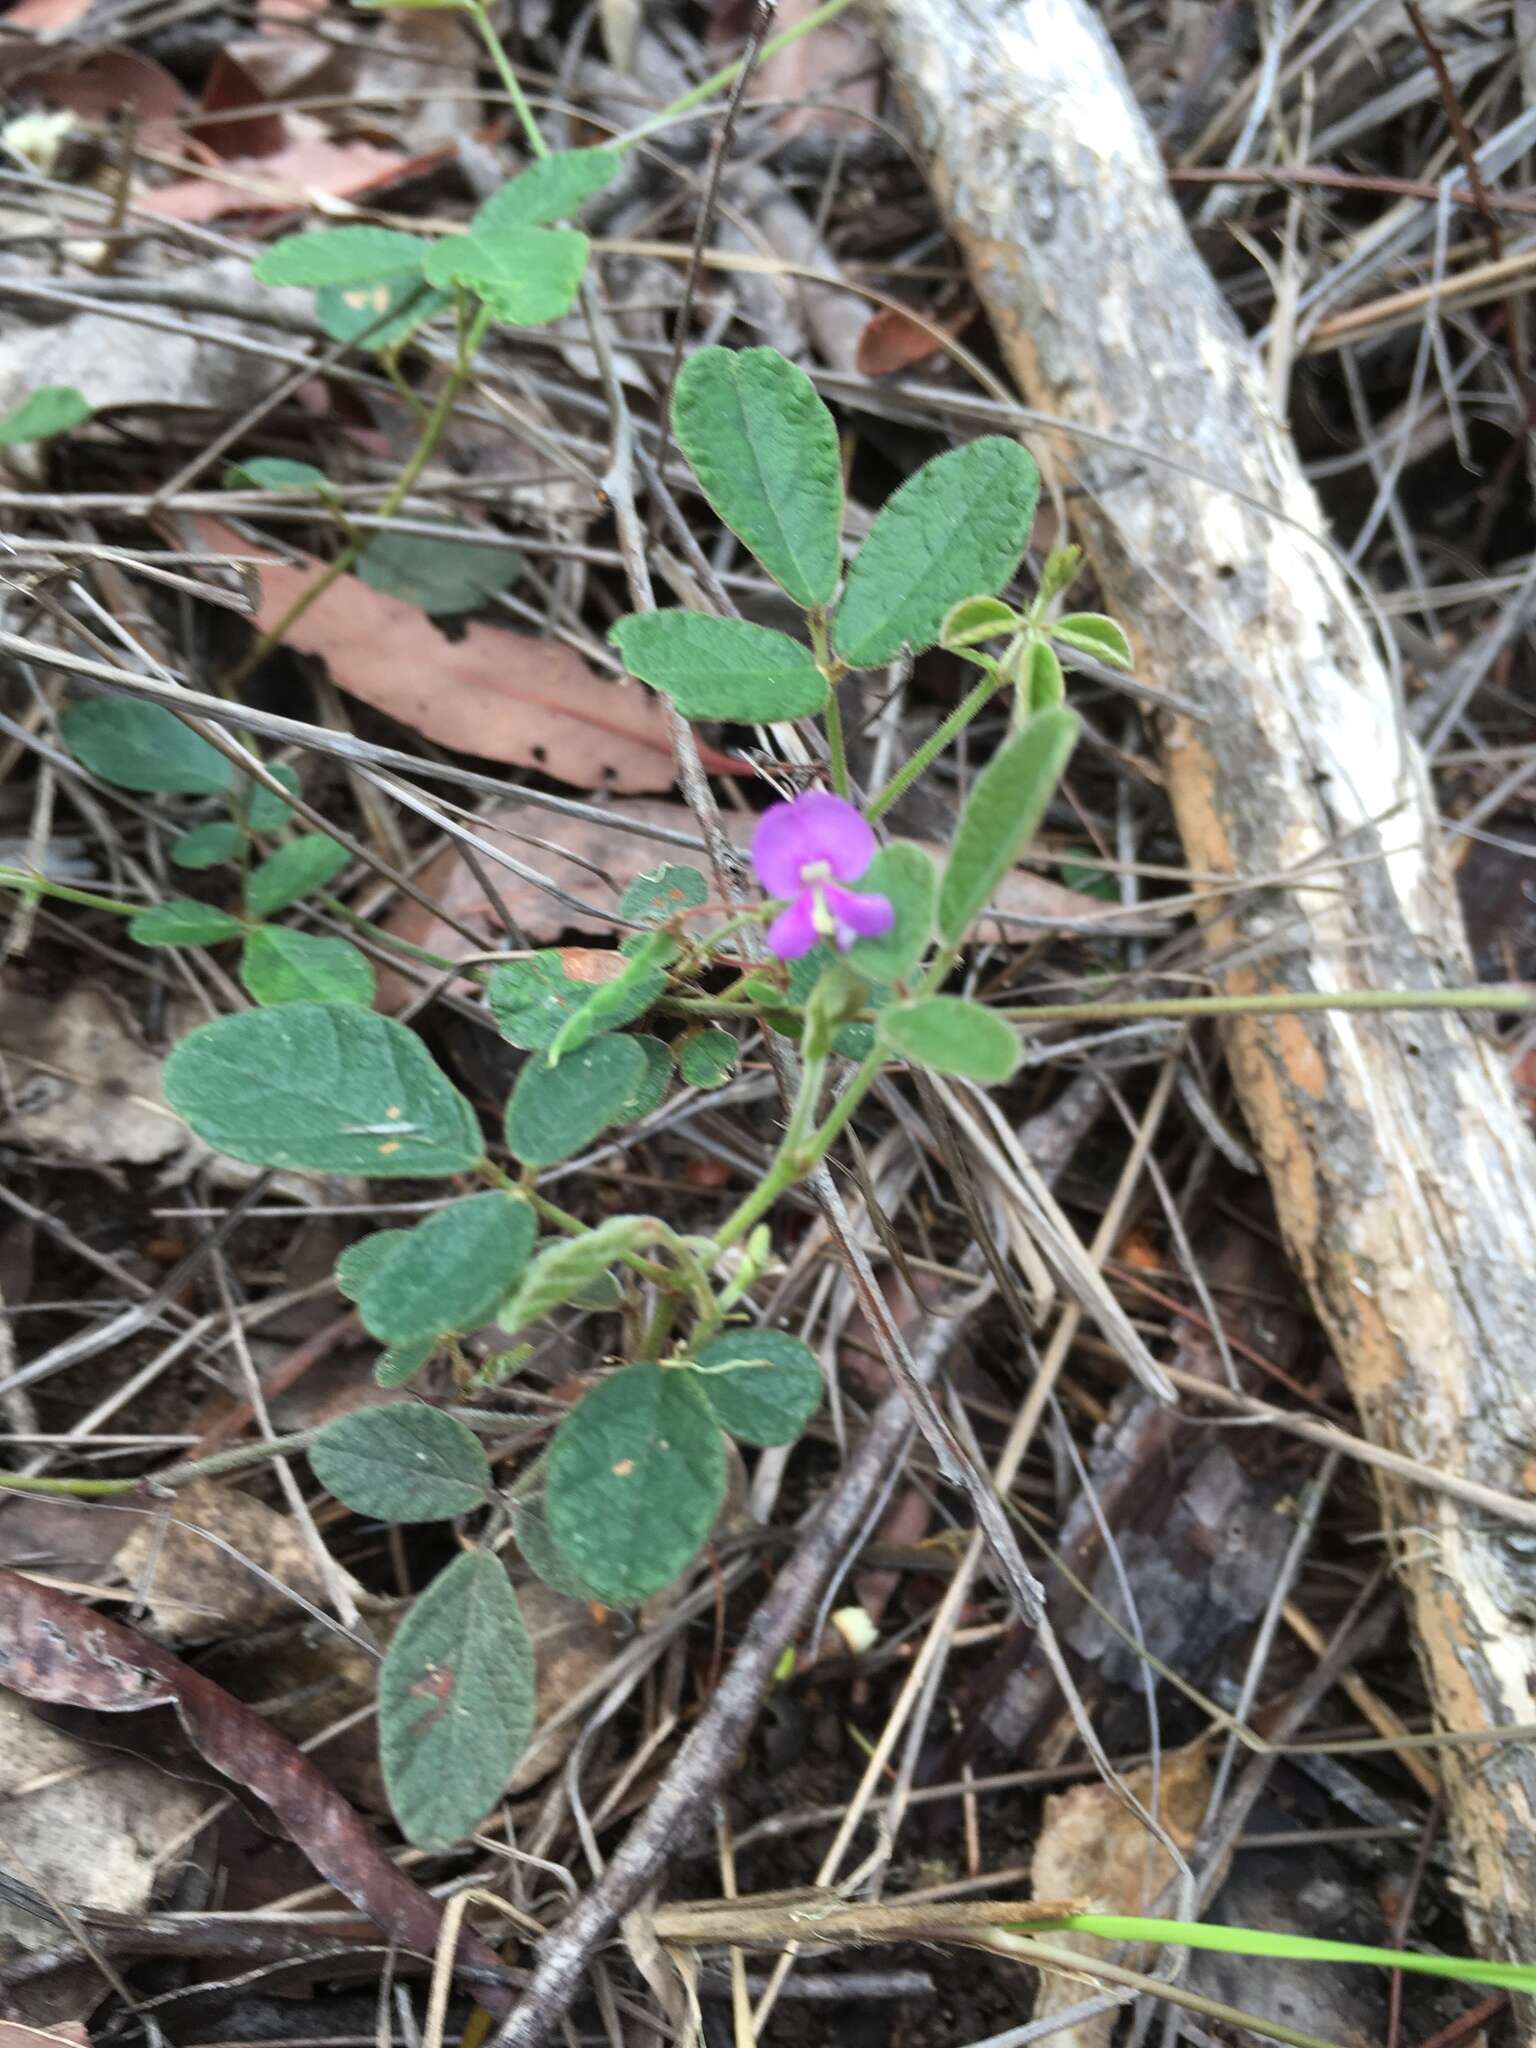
817	828
858	916
793	931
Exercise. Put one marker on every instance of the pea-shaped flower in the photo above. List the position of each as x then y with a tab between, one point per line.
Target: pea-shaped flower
804	850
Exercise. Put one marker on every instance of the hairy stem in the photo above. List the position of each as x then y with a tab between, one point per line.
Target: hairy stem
432	433
972	702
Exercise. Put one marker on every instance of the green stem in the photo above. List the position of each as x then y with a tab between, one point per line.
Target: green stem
508	77
801	1150
1496	996
837	751
39	885
426	446
722	81
421	954
934	745
177	1475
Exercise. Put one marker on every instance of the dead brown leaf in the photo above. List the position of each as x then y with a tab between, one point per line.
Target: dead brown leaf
196	1587
1092	1847
53	1649
567	849
502	695
44	16
112	82
231	86
310	164
102	356
79	1082
814	70
64	2034
896	340
81	1823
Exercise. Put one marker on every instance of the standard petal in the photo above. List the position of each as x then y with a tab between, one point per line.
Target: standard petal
793	931
858	917
776	849
831	830
816	830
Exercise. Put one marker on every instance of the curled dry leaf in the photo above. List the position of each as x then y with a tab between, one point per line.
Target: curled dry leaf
831	77
567	849
84	1824
79	1082
214	1560
502	695
1092	1846
55	1650
97	354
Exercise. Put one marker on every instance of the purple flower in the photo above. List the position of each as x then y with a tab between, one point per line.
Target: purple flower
803	850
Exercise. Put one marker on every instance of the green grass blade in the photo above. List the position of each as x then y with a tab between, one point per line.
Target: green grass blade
1295	1948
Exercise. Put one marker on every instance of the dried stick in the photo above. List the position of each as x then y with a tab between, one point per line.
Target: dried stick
710	1754
1402	1170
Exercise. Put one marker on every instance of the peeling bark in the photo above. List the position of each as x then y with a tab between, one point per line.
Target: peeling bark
1403	1171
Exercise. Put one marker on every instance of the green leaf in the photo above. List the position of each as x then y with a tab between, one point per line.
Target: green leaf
182	922
957	529
542	1554
635	1479
554	188
1004	811
650	1090
281	966
555	1111
563	1268
380	315
721	668
1093	633
1088	878
450	1271
1045	685
952	1035
265	812
52	410
975	619
640	980
1061	565
662	892
456	1701
707	1056
341	256
143	747
324	1088
527	276
403	1463
764	448
533	999
438	575
904	875
359	1262
762	1385
207	846
401	1362
294	871
277	473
